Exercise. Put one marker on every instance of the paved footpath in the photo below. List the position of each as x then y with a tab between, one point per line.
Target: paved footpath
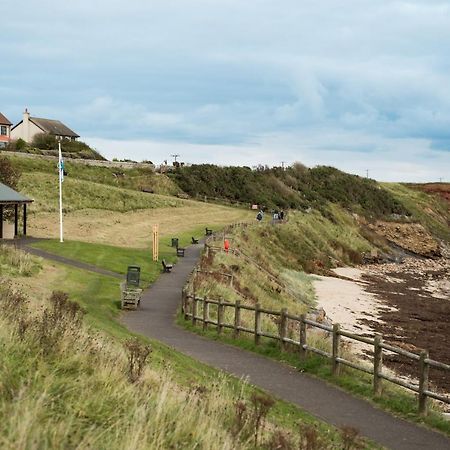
24	244
156	319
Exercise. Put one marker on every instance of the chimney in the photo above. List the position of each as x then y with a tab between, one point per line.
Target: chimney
26	125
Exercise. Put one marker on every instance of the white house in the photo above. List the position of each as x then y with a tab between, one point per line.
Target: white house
29	127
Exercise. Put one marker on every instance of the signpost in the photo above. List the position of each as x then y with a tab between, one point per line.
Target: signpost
155	246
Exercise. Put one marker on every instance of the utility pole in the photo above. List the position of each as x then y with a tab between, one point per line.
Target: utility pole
175	157
367	173
282	164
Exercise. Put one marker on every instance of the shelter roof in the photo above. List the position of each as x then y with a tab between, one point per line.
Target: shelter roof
8	196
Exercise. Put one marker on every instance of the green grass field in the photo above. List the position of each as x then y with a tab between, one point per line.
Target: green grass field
115	259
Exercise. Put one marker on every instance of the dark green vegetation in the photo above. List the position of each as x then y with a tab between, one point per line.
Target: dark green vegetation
9	173
46	144
294	187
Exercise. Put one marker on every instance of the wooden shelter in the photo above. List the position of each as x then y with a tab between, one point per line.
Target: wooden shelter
10	198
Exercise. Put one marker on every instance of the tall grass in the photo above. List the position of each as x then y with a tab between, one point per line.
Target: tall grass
62	386
70	390
15	262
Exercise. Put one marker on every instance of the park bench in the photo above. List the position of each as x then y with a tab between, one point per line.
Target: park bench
180	251
208	232
131	293
166	267
194	241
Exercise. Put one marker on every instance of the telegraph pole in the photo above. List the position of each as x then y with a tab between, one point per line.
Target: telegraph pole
175	157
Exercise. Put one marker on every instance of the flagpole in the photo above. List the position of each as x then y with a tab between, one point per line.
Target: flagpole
61	172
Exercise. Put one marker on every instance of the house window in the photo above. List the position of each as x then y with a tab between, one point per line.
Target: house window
3	130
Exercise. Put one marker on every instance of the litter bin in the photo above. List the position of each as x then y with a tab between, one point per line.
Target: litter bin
175	242
133	276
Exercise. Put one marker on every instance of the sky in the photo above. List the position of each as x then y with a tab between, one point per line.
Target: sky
361	85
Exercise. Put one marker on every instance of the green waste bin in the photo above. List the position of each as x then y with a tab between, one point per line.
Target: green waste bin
133	276
175	242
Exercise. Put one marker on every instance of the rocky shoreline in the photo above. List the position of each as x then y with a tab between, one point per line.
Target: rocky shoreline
409	303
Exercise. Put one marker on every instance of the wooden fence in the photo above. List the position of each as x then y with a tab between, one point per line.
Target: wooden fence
190	309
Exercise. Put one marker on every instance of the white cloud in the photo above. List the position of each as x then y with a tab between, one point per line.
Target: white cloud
322	79
393	159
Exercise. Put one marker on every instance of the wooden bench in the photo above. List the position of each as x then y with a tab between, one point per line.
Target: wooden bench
166	267
180	251
208	232
194	241
130	296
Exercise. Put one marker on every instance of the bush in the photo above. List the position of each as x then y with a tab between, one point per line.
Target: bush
295	187
9	174
73	149
45	141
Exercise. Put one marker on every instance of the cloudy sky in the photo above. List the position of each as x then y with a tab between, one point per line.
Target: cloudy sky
358	84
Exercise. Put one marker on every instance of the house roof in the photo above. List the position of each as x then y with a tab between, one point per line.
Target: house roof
8	195
4	120
49	126
53	127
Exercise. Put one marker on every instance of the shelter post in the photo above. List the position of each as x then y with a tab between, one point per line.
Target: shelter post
24	219
1	221
16	220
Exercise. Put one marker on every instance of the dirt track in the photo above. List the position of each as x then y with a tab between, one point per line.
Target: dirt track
421	319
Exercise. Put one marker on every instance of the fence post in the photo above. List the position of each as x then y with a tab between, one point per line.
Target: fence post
231	281
220	316
194	310
185	301
283	328
377	365
335	350
257	323
302	351
205	314
423	383
237	318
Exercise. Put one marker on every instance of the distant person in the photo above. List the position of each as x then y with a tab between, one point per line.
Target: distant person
281	215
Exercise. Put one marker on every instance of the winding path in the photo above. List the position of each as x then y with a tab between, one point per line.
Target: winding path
156	319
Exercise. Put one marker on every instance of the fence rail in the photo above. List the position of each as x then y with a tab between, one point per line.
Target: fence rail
190	309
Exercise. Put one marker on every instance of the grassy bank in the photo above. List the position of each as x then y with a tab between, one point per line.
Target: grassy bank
65	385
136	179
270	268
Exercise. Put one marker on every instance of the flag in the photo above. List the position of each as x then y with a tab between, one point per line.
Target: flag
61	166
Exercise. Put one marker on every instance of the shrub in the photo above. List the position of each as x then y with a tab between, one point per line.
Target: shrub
45	141
9	174
137	354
